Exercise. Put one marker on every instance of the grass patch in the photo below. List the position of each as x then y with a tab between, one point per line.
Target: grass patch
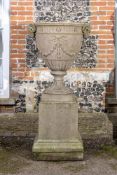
107	151
111	151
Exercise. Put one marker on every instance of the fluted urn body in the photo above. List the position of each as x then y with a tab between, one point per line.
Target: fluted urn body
58	44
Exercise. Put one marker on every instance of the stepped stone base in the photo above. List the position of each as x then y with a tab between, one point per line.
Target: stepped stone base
96	129
58	150
58	135
7	105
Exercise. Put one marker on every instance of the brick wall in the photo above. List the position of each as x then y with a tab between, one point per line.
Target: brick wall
102	24
102	21
99	46
88	76
21	15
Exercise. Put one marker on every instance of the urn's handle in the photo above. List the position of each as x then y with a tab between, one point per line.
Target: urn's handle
32	29
86	29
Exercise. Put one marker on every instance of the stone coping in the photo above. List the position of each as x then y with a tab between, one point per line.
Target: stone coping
112	101
95	128
73	69
7	101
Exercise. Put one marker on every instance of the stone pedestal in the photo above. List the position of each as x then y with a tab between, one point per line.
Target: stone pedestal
58	136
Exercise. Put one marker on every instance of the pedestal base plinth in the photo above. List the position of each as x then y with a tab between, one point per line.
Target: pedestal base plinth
58	150
58	136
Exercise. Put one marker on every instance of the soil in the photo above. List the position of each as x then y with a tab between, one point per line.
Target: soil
19	161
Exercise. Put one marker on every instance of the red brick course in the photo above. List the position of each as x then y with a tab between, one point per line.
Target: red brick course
21	14
102	24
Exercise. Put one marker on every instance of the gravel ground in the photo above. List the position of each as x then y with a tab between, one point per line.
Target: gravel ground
18	161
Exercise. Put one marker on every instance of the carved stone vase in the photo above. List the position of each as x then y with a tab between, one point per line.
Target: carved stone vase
58	136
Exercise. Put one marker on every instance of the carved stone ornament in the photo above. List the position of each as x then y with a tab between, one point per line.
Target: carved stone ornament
59	43
32	29
58	137
86	30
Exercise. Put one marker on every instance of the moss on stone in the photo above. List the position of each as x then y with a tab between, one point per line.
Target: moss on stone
110	151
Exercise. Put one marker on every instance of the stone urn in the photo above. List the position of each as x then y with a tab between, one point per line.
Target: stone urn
58	136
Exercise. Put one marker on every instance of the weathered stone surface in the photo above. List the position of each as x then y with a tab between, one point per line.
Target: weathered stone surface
53	11
18	124
96	129
95	124
30	100
58	149
58	119
59	43
59	156
113	119
88	86
7	105
112	105
8	102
